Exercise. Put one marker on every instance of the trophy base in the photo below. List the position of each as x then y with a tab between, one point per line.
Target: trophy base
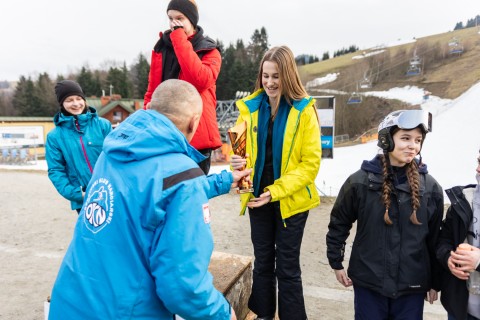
246	190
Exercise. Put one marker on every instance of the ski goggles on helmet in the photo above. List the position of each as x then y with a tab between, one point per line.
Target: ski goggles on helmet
408	119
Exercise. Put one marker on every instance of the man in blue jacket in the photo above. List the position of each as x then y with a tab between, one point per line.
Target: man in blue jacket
142	244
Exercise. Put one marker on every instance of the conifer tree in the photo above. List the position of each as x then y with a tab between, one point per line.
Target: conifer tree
24	99
139	75
89	83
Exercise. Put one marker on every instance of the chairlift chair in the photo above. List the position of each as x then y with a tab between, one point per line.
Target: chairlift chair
456	49
415	61
453	42
413	70
365	83
355	98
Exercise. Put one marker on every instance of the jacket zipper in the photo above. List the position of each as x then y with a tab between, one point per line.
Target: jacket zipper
83	148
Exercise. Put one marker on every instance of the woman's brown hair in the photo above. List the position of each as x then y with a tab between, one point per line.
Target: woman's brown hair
290	84
413	180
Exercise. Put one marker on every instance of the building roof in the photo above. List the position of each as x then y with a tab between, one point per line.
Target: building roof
127	104
26	119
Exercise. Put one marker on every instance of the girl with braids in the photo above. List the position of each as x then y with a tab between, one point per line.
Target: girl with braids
398	208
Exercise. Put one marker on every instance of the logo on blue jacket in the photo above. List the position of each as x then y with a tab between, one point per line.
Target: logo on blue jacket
98	207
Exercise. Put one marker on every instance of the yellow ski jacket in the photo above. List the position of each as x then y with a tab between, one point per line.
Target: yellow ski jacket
301	154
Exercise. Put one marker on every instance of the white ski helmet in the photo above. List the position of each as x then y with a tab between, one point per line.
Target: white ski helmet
403	119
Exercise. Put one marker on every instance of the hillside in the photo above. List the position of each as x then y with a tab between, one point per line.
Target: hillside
444	75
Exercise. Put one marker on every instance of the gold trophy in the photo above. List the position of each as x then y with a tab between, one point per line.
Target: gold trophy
238	140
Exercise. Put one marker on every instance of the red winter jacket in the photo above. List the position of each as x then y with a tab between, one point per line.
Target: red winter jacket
202	73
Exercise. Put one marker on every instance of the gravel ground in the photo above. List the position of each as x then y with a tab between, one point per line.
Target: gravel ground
36	226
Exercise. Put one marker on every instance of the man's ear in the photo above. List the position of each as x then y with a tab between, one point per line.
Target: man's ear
192	126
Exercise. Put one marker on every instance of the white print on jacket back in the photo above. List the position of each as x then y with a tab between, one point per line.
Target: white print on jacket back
99	205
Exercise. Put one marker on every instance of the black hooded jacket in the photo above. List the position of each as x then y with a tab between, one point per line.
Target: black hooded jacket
454	295
393	260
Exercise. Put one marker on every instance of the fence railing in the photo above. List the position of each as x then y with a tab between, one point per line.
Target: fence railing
342	138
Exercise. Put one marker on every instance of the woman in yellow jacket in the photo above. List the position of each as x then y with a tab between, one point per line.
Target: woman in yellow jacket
284	151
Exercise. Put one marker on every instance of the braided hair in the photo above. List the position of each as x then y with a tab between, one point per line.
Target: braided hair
413	180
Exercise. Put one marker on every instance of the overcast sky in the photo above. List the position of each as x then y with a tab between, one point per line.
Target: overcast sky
61	36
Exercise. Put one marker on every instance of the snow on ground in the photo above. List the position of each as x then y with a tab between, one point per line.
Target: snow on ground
399	42
319	81
368	54
415	96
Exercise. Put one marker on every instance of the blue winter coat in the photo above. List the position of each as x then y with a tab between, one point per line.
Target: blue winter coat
142	243
72	149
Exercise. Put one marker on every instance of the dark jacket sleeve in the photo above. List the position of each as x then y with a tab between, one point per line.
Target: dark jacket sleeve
343	215
434	225
453	228
446	239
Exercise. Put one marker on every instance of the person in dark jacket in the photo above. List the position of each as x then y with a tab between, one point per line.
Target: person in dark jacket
398	208
459	297
183	52
73	147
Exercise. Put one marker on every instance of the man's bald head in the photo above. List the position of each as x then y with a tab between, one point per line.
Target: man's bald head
180	102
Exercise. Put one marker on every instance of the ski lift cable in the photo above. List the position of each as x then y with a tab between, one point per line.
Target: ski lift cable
374	74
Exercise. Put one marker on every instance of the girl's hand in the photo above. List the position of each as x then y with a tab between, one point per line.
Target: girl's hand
260	201
237	162
343	278
466	259
456	271
431	296
175	24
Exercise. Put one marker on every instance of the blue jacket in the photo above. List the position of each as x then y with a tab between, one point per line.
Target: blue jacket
142	243
72	149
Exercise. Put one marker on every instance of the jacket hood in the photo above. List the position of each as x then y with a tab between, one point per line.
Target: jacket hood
145	134
456	193
375	165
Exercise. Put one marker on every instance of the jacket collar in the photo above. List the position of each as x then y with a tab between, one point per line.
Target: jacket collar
62	120
456	195
254	101
374	169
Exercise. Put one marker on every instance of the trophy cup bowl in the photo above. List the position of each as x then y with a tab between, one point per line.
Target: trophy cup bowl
238	141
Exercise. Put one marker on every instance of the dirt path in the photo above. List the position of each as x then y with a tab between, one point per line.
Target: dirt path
36	226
